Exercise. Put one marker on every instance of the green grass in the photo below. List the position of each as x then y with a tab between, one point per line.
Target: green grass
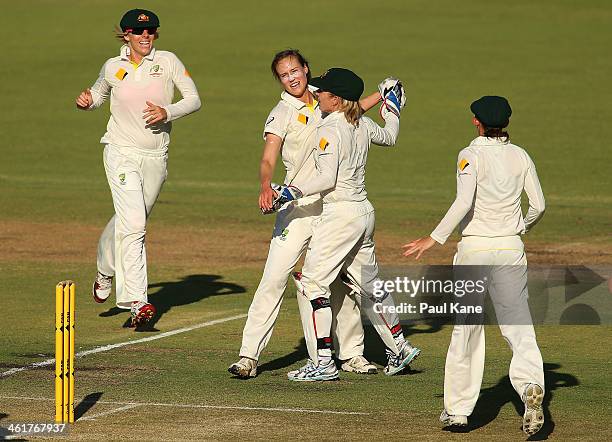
548	57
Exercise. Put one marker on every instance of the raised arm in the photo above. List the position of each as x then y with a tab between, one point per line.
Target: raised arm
533	189
384	136
370	101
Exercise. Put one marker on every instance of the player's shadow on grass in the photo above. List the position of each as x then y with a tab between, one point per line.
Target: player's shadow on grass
300	353
492	399
190	289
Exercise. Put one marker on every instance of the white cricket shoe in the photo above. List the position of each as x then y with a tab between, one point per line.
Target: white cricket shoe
311	372
397	363
359	364
453	420
533	419
102	287
245	368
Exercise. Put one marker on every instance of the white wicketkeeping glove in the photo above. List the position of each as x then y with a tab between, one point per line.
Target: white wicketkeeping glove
393	96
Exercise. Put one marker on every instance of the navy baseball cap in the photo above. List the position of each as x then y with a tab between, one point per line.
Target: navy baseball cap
492	111
341	82
139	18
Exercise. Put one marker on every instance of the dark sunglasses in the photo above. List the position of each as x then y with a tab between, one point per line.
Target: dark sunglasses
139	31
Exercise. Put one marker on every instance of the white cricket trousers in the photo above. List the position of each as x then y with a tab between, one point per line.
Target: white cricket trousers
508	291
342	241
290	238
135	179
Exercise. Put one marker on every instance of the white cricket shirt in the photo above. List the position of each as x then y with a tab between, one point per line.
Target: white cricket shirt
130	86
295	123
342	154
491	176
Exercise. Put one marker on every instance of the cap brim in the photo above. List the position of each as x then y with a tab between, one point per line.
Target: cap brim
317	82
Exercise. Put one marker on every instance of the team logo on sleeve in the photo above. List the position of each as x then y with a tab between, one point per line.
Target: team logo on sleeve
270	120
323	143
121	74
463	164
302	118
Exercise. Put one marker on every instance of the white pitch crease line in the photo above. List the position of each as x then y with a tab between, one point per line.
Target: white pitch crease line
105	413
215	407
123	344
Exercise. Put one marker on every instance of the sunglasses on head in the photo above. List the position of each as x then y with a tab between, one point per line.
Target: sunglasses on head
140	31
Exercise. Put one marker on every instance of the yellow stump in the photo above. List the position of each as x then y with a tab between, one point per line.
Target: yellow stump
71	371
59	344
64	351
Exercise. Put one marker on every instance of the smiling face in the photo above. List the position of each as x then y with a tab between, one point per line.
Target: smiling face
140	45
293	76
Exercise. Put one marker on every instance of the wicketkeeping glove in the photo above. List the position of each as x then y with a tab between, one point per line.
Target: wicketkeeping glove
393	96
284	194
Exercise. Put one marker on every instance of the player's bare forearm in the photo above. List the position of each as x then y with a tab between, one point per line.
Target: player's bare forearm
370	101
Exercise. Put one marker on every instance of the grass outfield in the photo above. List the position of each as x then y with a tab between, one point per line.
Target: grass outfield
207	241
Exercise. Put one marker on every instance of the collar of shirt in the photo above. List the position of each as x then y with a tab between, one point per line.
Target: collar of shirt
486	141
296	102
125	53
331	118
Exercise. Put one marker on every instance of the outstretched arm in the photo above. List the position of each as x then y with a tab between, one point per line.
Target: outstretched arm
466	189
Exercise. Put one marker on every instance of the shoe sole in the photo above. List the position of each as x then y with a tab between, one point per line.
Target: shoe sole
533	419
242	373
449	423
406	362
143	316
326	377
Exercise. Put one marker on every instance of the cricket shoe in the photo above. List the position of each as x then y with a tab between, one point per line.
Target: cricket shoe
533	419
359	364
245	368
102	287
396	363
142	312
311	372
453	420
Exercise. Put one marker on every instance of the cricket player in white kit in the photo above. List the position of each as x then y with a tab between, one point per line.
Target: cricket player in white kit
342	240
289	131
492	173
140	83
